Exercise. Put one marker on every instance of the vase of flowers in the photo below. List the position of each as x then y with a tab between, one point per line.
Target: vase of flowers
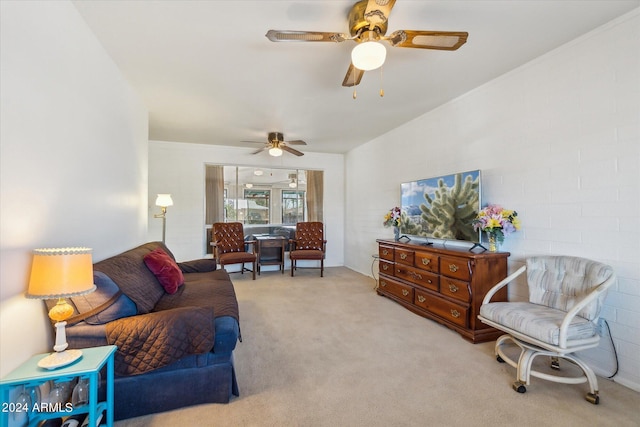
497	222
392	219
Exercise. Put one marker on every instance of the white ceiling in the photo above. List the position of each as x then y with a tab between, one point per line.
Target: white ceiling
208	75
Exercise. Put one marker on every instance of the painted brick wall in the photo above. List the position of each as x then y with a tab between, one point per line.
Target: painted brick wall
558	140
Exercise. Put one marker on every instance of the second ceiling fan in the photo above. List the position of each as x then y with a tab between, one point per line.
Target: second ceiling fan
368	21
276	145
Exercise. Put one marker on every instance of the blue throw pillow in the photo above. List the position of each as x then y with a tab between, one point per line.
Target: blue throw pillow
105	289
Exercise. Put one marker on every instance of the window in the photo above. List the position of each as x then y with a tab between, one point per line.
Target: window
229	210
293	206
256	195
254	208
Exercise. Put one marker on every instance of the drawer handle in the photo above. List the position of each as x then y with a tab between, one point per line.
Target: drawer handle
425	261
405	292
453	288
415	275
453	268
385	252
403	256
383	283
385	267
421	298
455	313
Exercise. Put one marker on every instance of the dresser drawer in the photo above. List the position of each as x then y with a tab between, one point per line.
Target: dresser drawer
417	276
455	289
457	268
403	256
397	289
386	267
386	252
426	261
449	311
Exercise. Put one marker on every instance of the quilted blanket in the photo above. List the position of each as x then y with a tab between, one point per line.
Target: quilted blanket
151	341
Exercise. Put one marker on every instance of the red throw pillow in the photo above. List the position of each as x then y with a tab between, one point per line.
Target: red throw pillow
165	269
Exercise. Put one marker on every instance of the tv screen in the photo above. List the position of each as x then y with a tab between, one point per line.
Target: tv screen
442	207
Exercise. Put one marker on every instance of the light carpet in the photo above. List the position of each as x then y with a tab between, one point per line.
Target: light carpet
331	352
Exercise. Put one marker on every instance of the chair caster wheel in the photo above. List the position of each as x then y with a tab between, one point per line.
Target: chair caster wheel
499	359
593	398
519	387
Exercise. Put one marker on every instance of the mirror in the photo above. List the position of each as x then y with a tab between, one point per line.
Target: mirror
263	199
255	195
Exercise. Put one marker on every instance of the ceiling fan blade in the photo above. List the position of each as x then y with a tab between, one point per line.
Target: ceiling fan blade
254	142
291	150
353	76
304	36
296	142
441	40
260	150
377	12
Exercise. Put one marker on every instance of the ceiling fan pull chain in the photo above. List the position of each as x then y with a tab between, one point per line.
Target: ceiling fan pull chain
355	95
381	89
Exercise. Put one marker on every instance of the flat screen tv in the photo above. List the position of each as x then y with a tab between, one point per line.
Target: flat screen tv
442	207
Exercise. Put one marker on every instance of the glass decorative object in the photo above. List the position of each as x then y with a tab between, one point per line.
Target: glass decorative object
494	245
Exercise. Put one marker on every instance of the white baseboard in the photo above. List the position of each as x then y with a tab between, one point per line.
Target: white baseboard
629	384
617	379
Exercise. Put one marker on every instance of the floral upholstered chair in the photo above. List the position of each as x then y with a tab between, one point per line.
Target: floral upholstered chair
565	299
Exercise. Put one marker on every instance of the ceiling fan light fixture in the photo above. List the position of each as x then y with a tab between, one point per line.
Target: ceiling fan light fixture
368	55
275	151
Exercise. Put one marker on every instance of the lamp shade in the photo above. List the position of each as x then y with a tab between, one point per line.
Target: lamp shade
275	151
164	200
368	55
60	273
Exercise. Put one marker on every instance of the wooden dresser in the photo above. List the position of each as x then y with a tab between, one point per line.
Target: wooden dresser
445	285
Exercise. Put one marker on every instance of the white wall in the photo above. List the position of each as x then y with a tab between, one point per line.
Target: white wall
178	169
558	140
73	149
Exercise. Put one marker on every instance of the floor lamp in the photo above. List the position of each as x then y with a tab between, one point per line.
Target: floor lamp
163	200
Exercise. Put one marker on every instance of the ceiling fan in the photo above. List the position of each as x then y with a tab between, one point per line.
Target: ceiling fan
368	21
276	145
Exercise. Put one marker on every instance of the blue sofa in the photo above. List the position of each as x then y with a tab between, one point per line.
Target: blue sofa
184	350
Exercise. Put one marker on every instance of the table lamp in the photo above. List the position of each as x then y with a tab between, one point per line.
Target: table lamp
60	273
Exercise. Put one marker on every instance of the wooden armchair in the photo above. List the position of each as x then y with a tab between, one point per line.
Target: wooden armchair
229	246
309	244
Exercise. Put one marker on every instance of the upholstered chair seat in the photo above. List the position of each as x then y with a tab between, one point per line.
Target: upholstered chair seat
537	321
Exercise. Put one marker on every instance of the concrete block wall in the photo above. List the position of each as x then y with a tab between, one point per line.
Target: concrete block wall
558	140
